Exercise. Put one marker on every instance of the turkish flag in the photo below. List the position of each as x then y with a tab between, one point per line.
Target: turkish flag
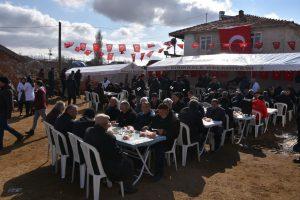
292	44
289	76
259	45
109	47
180	46
122	48
167	43
77	49
96	47
87	52
100	54
234	36
82	46
160	50
150	46
133	57
276	45
142	56
276	75
149	54
68	44
136	48
195	45
110	56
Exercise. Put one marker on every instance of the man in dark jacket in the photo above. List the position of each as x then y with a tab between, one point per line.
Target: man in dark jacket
127	116
86	121
165	85
154	102
77	78
112	110
154	85
167	124
64	124
71	89
39	105
140	86
177	103
284	98
6	107
215	112
51	82
144	118
115	164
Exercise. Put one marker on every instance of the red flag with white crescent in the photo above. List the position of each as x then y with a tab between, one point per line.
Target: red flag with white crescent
110	56
195	45
276	45
100	54
96	47
68	44
150	46
82	46
133	57
180	46
234	36
259	45
136	48
109	47
149	54
122	48
142	56
77	49
292	44
87	52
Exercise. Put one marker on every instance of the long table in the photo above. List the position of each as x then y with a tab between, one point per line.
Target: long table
134	143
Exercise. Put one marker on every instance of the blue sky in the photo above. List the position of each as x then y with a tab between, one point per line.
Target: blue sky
127	21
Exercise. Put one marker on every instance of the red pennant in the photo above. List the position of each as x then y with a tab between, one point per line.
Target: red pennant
96	47
82	46
133	57
100	54
195	45
149	54
160	50
109	47
142	56
211	45
276	75
110	56
122	48
87	52
77	49
68	44
180	46
276	45
150	46
168	47
292	44
289	76
136	48
259	45
168	43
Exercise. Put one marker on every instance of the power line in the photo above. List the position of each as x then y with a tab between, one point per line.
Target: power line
25	27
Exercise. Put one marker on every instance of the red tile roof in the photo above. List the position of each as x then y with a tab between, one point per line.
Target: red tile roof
228	21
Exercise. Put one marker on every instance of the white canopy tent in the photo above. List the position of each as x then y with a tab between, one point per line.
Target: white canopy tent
115	73
231	62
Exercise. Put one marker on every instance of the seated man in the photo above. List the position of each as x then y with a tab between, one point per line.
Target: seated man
154	101
192	116
215	112
259	105
112	110
237	99
86	121
284	98
56	111
64	124
115	164
177	103
144	118
167	124
127	116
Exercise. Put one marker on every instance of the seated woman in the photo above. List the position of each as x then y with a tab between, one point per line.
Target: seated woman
55	112
112	110
127	116
259	105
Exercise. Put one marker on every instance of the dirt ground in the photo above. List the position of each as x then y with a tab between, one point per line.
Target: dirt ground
260	170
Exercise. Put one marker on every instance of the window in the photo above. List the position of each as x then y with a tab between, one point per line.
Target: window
205	41
256	37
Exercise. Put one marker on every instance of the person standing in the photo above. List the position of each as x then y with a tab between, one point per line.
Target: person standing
105	83
71	89
255	85
77	77
29	95
140	87
21	94
6	108
63	79
39	105
51	82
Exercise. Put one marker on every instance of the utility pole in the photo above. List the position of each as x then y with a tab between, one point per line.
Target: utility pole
59	47
205	17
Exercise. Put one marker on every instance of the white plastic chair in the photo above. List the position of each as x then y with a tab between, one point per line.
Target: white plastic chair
95	100
236	109
63	155
281	112
88	98
172	152
51	144
123	95
256	123
188	141
75	141
89	150
227	130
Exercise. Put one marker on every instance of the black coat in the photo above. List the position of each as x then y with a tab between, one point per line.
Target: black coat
140	88
52	116
127	119
106	144
143	120
177	106
80	126
154	86
71	87
113	113
285	99
6	102
171	127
